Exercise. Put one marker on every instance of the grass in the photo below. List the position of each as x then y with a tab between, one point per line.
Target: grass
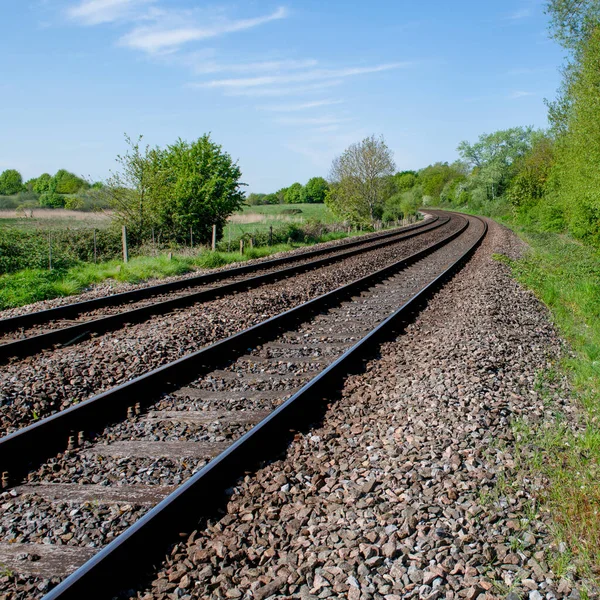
258	219
565	275
33	285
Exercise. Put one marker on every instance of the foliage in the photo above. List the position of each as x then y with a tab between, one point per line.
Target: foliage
135	187
294	194
359	186
405	180
68	183
578	150
493	158
434	179
315	190
532	173
11	182
199	186
401	205
43	183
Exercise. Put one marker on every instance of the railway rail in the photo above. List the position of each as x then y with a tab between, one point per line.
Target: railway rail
195	425
27	334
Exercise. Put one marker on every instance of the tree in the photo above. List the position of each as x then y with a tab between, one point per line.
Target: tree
359	180
128	191
492	158
315	190
199	187
294	194
68	183
11	182
42	183
578	150
532	173
405	180
435	178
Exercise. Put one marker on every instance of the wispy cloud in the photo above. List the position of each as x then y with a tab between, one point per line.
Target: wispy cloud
96	12
313	75
299	107
160	38
520	94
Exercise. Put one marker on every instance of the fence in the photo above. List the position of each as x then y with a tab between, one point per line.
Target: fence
60	248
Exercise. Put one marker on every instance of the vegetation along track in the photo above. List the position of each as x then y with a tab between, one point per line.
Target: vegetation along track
35	387
192	428
29	333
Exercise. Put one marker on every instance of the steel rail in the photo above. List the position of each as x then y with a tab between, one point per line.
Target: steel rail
81	331
69	311
127	558
27	448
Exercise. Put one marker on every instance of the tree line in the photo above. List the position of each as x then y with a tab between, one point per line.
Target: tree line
61	190
314	192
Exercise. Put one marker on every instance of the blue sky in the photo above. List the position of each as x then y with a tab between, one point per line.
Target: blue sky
283	86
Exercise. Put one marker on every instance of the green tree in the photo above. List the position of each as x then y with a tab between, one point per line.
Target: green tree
42	183
200	187
11	182
493	157
130	190
68	183
578	150
405	180
532	173
435	178
294	194
316	190
359	180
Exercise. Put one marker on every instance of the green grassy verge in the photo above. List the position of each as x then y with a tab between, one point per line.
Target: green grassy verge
565	275
32	285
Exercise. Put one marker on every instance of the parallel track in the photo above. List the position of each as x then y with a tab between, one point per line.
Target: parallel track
332	323
75	333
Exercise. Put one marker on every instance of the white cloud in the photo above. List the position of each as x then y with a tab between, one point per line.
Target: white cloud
160	38
301	106
96	12
520	94
523	13
313	75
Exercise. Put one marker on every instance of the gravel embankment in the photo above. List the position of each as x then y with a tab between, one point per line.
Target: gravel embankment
38	386
402	492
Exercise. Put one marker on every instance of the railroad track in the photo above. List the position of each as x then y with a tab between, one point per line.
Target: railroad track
35	387
193	426
27	334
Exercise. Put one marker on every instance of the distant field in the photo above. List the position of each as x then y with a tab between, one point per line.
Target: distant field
255	219
57	218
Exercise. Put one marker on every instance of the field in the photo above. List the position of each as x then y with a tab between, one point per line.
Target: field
258	219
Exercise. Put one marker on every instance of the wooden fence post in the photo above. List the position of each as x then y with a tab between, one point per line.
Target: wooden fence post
95	250
191	238
125	248
214	238
271	235
49	251
242	246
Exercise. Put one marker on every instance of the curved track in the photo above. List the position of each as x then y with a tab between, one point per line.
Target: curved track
204	420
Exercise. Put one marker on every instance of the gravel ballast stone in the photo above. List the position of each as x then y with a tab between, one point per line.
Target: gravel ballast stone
396	494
